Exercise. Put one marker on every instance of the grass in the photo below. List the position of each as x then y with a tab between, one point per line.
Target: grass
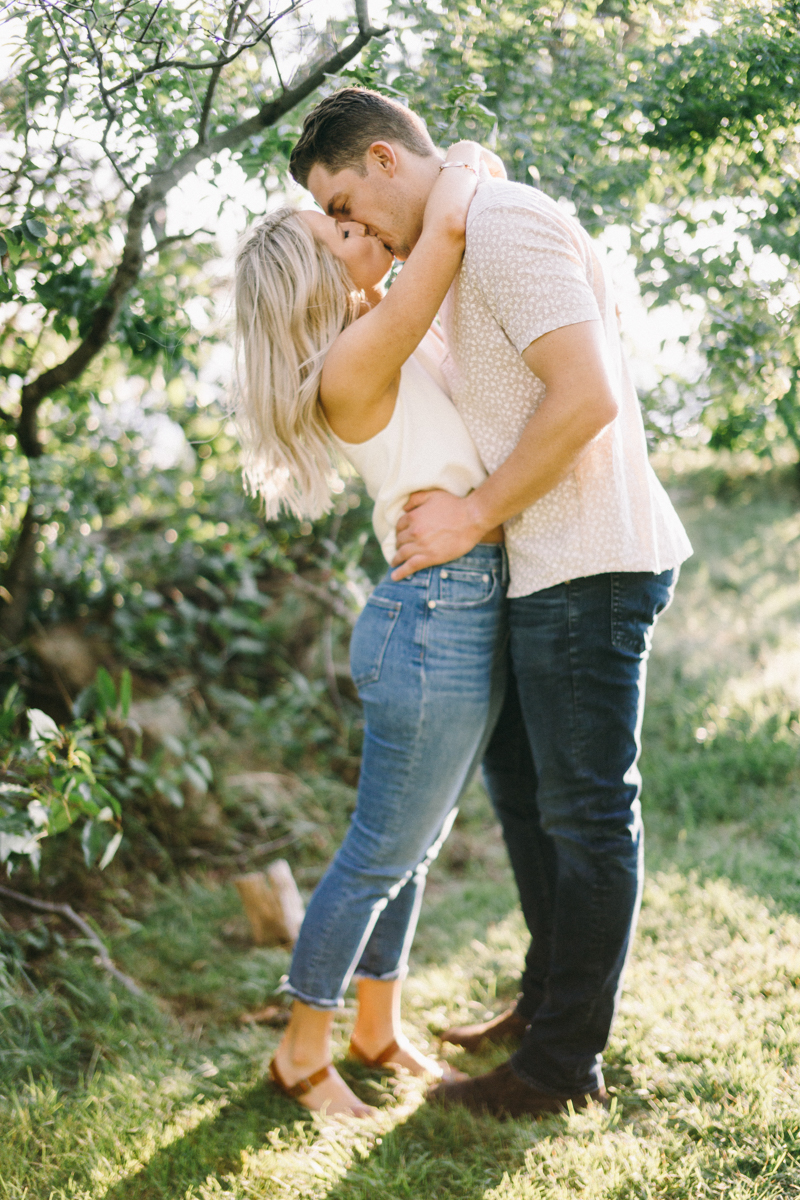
109	1098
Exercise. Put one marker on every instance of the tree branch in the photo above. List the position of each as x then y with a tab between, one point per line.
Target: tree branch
233	24
184	64
275	63
101	327
270	112
144	202
18	578
66	910
111	158
362	16
162	243
98	58
140	38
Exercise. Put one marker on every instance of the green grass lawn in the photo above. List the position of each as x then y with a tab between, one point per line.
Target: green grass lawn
108	1098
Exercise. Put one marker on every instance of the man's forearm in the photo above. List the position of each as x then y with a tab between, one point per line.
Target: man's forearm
552	443
579	403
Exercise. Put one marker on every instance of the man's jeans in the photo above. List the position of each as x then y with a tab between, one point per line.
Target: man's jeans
562	772
428	656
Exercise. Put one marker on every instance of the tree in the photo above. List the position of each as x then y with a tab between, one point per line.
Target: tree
682	129
110	106
632	113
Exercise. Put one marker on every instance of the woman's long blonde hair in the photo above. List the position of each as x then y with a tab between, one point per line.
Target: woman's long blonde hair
293	299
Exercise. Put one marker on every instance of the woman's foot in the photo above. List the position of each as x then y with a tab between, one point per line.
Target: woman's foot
378	1040
330	1095
401	1053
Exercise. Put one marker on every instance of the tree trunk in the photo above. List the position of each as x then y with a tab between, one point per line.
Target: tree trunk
787	411
273	904
19	579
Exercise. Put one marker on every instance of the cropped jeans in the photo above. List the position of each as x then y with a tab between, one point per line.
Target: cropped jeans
428	656
562	772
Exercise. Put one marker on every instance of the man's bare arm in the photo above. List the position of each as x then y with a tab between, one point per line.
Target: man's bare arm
579	404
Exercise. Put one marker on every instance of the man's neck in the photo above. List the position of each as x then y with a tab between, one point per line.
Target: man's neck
425	174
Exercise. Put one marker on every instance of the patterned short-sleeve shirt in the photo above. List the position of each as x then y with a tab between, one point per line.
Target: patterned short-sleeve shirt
530	268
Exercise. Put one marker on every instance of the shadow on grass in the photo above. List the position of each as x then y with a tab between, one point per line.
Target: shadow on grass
439	1155
214	1147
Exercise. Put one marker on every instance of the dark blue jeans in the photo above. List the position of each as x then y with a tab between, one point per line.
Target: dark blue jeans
562	772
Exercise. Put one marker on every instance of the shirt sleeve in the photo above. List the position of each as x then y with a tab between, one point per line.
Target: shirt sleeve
530	271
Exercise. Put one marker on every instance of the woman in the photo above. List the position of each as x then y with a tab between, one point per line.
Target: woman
332	367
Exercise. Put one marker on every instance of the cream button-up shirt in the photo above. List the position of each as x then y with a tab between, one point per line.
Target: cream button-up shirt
530	268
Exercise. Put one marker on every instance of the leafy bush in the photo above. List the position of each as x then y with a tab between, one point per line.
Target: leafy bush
55	778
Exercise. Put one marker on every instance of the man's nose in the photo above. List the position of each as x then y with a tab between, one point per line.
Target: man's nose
355	228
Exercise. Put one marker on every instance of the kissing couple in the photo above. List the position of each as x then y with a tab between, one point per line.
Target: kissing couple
530	550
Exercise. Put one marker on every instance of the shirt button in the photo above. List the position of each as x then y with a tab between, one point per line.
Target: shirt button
445	574
431	604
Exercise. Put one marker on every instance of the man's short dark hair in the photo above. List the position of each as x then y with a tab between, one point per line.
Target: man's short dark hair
338	133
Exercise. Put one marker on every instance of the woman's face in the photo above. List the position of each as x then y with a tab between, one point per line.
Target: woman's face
367	259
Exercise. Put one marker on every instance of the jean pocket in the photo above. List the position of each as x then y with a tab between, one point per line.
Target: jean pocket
370	639
460	588
636	601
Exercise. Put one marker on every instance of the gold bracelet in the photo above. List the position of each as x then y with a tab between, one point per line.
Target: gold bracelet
468	166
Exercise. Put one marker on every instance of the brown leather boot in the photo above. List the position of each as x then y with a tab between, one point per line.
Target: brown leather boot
509	1026
501	1093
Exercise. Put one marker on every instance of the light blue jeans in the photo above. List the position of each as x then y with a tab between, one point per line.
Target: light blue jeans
428	658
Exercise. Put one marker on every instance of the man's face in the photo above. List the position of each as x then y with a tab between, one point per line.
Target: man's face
389	200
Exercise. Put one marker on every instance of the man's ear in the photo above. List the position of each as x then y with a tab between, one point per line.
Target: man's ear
383	156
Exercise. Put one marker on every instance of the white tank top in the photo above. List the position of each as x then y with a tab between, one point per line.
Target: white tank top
424	446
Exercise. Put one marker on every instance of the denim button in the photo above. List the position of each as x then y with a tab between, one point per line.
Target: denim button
485	578
431	604
445	574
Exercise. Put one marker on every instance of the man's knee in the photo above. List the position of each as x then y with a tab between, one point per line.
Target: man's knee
600	821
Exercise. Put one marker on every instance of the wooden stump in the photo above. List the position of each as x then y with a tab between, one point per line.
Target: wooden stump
273	904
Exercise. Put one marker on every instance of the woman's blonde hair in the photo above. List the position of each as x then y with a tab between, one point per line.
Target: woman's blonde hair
293	298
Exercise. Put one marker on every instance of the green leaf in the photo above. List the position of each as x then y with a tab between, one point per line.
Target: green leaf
3	247
43	728
37	229
193	776
110	850
106	692
13	247
203	766
173	794
125	692
87	840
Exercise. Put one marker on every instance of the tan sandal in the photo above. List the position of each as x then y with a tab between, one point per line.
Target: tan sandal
449	1074
296	1090
379	1060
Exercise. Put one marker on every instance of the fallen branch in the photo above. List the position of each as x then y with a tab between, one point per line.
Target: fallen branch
242	858
66	910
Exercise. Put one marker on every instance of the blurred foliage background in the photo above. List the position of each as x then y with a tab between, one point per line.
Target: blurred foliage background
138	141
175	699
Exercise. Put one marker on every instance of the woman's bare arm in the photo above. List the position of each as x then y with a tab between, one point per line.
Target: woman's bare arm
359	380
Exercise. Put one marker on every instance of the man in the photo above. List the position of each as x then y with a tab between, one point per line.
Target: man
537	372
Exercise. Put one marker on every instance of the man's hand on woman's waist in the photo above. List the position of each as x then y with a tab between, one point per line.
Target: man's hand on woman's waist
435	528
